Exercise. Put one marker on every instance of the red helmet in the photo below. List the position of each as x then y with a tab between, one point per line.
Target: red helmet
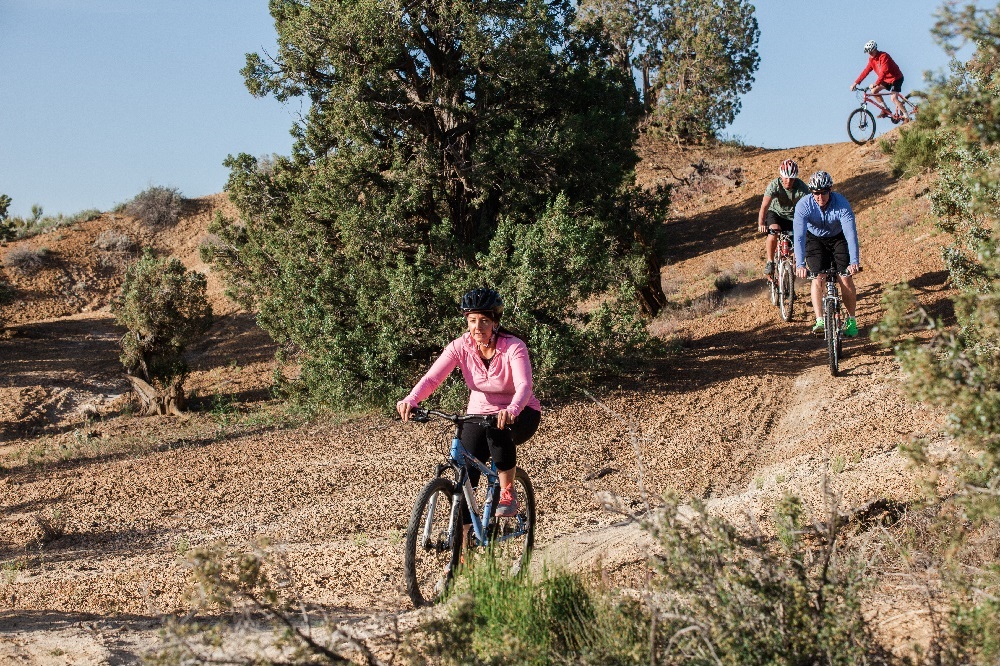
789	169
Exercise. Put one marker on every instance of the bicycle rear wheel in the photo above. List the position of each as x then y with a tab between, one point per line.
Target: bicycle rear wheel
433	543
832	348
511	539
786	284
861	126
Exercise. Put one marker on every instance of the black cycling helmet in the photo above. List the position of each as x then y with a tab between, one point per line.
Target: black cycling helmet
482	299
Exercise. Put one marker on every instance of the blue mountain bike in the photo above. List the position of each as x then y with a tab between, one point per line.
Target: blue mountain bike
435	534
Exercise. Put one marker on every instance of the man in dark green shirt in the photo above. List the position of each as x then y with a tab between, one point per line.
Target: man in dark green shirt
778	207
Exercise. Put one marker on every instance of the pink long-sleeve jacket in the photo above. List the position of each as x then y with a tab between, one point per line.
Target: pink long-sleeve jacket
506	384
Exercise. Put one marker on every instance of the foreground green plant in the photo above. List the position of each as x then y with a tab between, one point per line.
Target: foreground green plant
729	599
957	368
555	618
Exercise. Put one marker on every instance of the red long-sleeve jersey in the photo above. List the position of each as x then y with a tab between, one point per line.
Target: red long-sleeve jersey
884	66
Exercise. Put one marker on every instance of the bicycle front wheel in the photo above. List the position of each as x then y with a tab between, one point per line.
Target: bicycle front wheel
773	284
433	543
861	126
511	539
832	334
786	283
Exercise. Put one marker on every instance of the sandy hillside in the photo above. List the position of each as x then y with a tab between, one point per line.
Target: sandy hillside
742	412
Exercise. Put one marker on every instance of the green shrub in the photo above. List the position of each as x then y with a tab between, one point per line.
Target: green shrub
164	308
957	368
729	599
156	206
914	151
42	224
555	618
6	227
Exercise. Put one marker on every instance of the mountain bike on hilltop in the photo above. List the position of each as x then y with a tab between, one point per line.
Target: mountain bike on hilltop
861	122
782	283
434	535
833	324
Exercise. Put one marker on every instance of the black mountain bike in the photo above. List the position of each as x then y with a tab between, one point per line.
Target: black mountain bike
833	334
434	535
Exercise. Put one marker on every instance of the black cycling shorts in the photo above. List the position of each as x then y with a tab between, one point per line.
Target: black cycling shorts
895	86
825	251
773	218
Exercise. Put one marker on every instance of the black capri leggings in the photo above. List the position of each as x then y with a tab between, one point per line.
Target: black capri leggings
501	445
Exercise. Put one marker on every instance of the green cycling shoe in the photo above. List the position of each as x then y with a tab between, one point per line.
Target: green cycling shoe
851	327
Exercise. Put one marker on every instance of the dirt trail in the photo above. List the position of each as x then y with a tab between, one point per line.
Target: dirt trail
742	413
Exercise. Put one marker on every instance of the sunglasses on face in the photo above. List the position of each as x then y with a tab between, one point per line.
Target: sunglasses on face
825	191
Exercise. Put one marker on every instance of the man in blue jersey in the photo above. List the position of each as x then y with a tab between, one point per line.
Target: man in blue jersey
826	235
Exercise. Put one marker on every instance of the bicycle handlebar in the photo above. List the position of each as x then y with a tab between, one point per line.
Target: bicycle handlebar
421	415
832	270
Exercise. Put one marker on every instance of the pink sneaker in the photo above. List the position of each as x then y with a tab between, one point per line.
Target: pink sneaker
507	508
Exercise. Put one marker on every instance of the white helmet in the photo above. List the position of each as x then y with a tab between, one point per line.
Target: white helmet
788	169
870	46
820	181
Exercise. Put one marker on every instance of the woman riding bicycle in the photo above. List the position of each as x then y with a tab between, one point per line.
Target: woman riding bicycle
497	369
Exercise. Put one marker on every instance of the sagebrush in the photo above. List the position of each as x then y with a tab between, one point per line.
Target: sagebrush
156	206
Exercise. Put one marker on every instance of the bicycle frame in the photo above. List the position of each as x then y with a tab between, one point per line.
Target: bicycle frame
832	297
786	244
459	460
879	102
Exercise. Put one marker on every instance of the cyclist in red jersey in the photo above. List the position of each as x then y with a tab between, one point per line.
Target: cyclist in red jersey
888	77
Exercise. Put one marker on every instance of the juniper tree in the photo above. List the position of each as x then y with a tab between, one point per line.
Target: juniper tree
164	308
694	58
439	139
958	368
6	229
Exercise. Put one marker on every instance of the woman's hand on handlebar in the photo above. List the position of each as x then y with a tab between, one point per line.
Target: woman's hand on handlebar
504	419
404	408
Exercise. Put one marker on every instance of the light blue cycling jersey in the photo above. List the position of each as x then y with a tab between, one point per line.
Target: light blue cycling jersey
836	219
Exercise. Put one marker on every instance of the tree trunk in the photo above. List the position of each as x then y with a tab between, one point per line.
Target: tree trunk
168	403
651	296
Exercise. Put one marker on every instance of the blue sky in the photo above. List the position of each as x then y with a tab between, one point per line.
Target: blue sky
103	98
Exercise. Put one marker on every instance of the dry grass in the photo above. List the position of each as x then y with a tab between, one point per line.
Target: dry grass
52	526
26	260
112	240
